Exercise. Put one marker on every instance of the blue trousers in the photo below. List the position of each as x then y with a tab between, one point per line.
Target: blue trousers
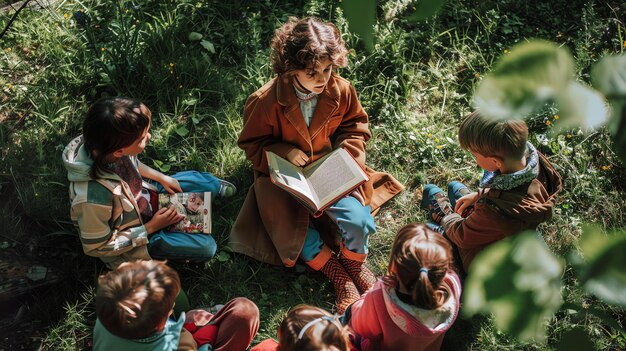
185	246
355	223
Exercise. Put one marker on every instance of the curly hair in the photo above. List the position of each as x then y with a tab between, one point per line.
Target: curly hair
133	300
300	44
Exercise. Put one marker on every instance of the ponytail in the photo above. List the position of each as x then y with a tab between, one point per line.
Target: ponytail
420	259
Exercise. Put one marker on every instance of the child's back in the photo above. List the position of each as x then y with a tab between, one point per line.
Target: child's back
517	192
412	308
501	212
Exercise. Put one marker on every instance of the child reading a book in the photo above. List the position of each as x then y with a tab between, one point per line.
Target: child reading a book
116	216
517	191
134	305
418	300
308	328
302	114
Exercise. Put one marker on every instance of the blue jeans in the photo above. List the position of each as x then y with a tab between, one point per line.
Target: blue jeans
355	223
185	246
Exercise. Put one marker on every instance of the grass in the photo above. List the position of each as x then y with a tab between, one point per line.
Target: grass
416	85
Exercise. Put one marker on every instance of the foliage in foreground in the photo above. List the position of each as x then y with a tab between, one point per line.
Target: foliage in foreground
416	84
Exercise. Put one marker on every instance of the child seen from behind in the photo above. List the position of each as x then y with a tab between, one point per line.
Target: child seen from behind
308	328
414	305
302	114
134	304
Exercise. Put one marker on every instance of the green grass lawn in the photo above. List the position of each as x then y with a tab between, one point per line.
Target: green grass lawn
416	85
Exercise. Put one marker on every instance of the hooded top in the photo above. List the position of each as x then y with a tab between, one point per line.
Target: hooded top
104	210
386	323
508	204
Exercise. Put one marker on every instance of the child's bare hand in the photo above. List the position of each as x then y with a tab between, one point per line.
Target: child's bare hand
297	157
465	201
162	218
170	184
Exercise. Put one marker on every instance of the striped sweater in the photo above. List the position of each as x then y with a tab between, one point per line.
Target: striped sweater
104	211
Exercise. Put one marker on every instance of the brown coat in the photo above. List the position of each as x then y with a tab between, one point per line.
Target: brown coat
271	225
501	213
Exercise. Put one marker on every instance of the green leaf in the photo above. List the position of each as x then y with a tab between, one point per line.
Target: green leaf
580	107
182	131
161	166
208	46
532	73
361	17
575	339
194	36
601	269
191	101
609	76
518	280
425	9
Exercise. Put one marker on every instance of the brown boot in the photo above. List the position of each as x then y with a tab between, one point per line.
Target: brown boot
345	290
354	263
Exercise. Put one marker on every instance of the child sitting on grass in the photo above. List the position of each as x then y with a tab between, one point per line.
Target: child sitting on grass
116	216
302	114
517	191
309	328
134	304
412	307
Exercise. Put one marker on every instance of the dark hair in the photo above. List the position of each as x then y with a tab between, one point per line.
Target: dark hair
489	137
134	299
301	44
318	336
416	247
112	124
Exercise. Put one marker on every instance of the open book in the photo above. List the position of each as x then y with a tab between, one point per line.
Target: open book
196	207
321	183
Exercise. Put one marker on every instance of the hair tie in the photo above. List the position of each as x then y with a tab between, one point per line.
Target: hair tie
423	270
317	320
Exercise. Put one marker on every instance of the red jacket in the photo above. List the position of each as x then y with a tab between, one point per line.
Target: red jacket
385	323
501	213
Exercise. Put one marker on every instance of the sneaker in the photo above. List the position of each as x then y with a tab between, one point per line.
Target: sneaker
436	201
227	189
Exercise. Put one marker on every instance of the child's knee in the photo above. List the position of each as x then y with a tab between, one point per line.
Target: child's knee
245	310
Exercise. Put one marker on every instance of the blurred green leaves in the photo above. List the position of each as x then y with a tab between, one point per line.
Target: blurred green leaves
602	265
609	77
518	280
361	16
533	73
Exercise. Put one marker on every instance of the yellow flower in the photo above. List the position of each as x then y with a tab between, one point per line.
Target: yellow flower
56	23
171	64
430	135
625	43
8	49
102	49
603	168
506	51
569	136
439	146
66	15
476	75
125	10
556	116
548	123
9	86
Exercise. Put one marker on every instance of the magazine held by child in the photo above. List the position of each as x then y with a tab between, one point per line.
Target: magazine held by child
196	207
321	183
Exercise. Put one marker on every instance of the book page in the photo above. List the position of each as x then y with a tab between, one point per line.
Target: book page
289	175
332	176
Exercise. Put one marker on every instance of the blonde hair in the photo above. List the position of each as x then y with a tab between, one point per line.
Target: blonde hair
493	138
321	330
136	298
420	258
300	44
